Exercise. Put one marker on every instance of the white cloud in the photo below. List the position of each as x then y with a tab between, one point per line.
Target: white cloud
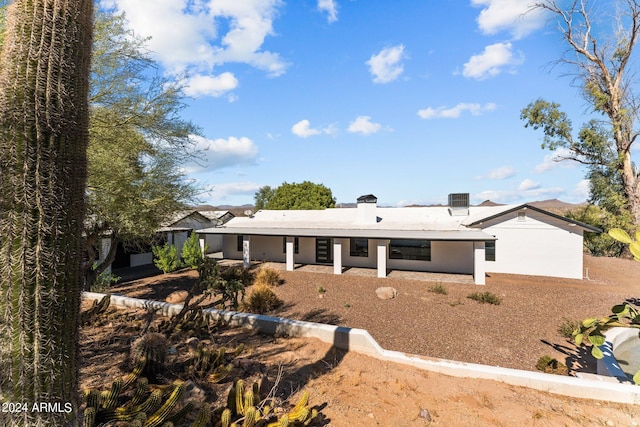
528	185
330	7
364	125
582	191
500	173
554	160
303	129
491	61
200	85
385	66
225	190
185	34
514	16
455	112
221	153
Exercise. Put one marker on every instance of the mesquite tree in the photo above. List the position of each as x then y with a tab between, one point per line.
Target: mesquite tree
600	52
44	79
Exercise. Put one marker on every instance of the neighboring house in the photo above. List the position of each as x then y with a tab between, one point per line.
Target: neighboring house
457	238
176	230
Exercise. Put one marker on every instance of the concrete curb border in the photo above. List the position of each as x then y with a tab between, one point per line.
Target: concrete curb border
360	341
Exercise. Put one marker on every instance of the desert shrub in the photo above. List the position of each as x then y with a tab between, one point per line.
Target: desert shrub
550	365
485	298
438	289
268	276
321	290
104	281
568	326
229	283
166	257
262	299
192	252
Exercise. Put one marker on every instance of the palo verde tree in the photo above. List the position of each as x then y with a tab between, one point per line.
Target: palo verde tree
138	142
296	196
44	115
600	46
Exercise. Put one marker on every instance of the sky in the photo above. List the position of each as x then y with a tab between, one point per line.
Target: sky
409	100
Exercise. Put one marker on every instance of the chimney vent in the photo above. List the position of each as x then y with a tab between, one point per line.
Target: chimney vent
367	209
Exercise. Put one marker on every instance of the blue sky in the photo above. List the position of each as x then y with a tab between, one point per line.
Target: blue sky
409	100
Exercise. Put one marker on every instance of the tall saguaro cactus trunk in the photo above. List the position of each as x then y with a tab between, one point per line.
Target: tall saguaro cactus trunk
44	78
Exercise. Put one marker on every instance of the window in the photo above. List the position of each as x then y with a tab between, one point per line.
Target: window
522	216
239	243
490	250
412	249
359	247
296	245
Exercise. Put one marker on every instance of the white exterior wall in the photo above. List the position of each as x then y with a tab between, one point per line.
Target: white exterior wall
540	245
213	242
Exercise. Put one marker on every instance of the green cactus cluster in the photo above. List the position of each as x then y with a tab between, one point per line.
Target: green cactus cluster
246	408
213	363
193	322
145	408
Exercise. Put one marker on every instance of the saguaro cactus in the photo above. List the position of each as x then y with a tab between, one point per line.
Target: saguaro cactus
44	79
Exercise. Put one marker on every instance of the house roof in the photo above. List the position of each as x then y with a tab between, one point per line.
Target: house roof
504	210
433	223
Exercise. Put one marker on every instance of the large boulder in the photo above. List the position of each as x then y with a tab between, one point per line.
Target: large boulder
177	297
386	292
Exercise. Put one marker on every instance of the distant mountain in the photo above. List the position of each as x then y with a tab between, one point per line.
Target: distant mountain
556	206
490	203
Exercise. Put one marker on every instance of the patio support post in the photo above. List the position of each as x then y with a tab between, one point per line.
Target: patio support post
246	251
478	263
203	245
290	251
337	256
382	258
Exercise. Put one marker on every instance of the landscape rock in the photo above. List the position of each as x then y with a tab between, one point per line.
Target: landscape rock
424	413
177	297
386	292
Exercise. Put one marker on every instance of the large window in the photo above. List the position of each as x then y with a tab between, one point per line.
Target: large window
412	249
239	243
490	250
359	247
296	245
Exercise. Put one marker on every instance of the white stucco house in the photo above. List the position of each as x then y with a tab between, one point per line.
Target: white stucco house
175	230
458	238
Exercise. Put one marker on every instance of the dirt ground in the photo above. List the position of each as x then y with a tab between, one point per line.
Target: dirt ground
355	390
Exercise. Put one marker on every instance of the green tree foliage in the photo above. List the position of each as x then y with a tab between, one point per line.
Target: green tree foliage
137	142
166	257
192	252
262	197
44	118
603	74
302	196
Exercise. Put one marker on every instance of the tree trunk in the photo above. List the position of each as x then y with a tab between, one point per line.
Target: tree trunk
43	139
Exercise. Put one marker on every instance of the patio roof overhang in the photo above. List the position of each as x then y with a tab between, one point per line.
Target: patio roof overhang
442	235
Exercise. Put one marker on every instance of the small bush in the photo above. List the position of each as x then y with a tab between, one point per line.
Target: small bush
262	299
192	253
567	327
321	290
104	281
438	289
166	258
268	276
549	365
485	298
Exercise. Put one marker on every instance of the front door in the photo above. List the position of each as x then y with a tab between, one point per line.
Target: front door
324	253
